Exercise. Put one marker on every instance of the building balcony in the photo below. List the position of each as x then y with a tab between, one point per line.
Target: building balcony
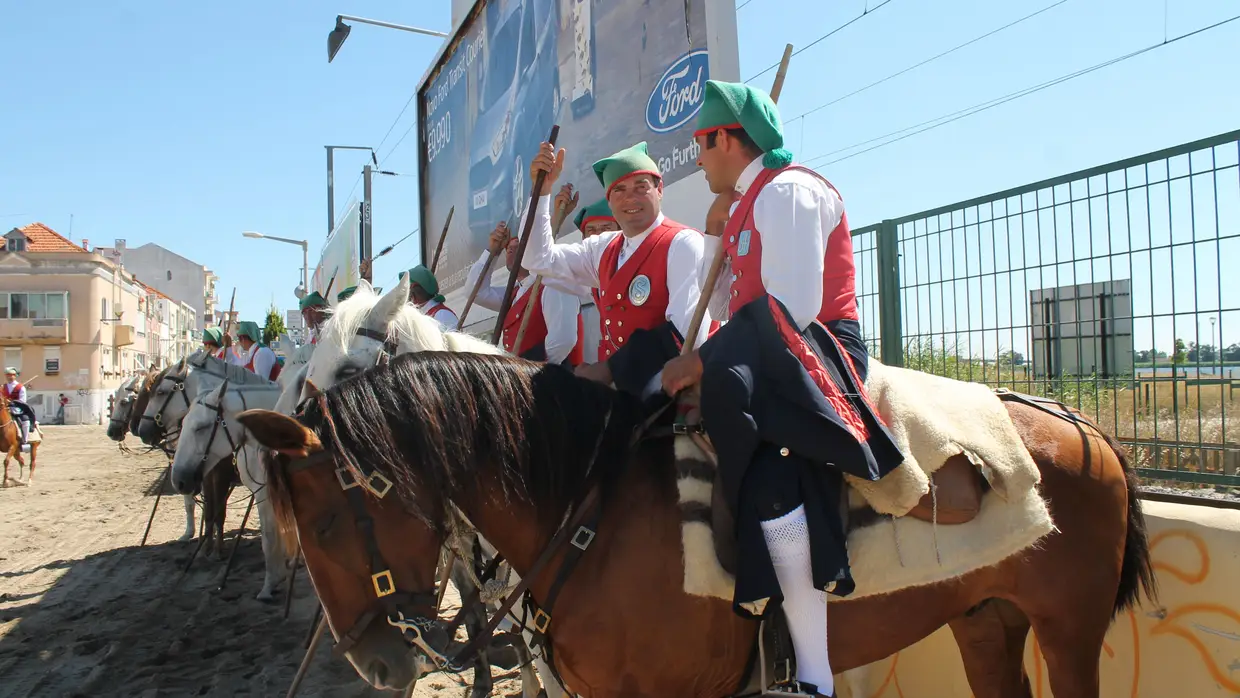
122	335
41	331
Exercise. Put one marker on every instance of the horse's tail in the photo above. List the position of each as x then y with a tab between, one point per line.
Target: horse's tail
1137	570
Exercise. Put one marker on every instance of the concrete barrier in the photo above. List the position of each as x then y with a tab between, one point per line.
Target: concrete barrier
1187	645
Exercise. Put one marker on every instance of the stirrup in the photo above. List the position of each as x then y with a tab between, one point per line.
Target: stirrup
795	689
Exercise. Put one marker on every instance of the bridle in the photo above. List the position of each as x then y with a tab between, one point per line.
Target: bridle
391	601
178	387
234	445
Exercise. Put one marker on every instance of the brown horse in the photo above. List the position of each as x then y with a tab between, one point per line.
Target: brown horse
513	445
11	444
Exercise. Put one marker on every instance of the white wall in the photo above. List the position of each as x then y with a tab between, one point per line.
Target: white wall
152	263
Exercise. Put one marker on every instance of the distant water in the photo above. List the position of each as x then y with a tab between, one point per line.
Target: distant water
1193	371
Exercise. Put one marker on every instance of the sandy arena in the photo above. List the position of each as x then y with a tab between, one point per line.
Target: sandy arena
84	611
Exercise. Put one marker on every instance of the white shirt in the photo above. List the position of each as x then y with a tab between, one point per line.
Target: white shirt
560	307
264	358
795	213
21	394
578	263
446	318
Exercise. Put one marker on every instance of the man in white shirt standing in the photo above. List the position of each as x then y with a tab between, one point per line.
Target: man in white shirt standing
783	381
553	333
647	274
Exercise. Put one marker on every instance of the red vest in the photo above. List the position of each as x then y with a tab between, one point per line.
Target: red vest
536	330
433	307
14	393
839	294
275	367
617	313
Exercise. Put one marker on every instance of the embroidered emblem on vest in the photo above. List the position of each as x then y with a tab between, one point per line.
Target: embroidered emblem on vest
742	247
639	289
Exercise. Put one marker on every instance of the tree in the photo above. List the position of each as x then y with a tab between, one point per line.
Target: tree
1181	353
1143	356
1011	358
274	327
1232	352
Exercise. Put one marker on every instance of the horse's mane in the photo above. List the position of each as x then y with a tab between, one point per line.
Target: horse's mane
439	423
411	328
233	372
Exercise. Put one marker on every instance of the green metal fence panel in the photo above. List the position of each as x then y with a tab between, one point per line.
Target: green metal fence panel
1115	289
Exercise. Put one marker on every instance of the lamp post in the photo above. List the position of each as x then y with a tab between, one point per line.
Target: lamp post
331	197
336	37
305	253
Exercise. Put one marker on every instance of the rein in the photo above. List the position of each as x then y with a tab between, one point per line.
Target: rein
579	529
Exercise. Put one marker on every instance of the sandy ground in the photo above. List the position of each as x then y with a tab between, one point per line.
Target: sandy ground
84	611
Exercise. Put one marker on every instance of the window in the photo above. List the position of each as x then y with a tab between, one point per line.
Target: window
37	306
56	303
105	309
18	305
13	357
16	245
4	306
170	275
51	359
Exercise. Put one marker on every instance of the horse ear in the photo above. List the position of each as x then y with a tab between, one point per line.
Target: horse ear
389	306
311	390
280	433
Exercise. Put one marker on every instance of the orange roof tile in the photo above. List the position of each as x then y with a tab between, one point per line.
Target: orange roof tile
40	238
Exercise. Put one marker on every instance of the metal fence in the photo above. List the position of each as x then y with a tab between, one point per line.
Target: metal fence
1115	289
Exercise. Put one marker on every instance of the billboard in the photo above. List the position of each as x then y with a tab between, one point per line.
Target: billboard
1082	330
340	256
610	74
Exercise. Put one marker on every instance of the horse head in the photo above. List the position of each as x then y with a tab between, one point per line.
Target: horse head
162	399
334	511
122	406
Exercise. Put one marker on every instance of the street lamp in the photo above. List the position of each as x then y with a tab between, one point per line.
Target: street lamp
336	37
305	253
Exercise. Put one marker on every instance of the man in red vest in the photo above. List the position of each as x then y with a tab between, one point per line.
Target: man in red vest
783	380
647	274
553	333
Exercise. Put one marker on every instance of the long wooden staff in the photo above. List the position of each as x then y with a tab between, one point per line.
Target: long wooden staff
486	274
228	323
535	192
529	310
716	264
442	236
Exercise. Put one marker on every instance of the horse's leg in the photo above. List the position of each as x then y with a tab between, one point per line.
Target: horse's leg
476	624
34	451
189	518
273	550
991	638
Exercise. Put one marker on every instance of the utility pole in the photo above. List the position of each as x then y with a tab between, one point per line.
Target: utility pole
331	199
364	251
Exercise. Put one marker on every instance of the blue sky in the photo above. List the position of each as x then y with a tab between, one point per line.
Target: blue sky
187	123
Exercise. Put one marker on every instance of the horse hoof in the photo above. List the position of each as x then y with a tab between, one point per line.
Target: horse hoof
185	536
266	596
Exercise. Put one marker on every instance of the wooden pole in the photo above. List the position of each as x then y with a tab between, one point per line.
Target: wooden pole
716	264
535	192
305	661
529	310
442	236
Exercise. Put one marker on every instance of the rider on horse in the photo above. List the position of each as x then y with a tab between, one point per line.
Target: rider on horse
213	341
256	357
424	293
314	311
783	394
646	274
16	394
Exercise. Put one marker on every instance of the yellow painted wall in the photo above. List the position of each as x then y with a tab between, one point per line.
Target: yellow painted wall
1186	646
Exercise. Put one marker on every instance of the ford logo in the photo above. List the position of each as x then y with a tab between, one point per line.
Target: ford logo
677	96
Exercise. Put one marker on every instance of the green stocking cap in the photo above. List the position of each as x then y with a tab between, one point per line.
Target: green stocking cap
251	330
624	164
213	335
597	211
344	295
730	105
314	299
423	277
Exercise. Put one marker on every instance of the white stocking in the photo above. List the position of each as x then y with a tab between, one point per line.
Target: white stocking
787	539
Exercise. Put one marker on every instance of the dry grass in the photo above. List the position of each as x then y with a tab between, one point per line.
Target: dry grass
1168	423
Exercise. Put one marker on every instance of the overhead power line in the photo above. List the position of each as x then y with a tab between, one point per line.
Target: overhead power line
916	129
868	10
915	66
397	121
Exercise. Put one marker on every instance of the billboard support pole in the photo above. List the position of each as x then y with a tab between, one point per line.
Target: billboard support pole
535	192
716	265
364	251
331	196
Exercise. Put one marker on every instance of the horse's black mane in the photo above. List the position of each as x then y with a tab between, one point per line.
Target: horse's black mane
435	422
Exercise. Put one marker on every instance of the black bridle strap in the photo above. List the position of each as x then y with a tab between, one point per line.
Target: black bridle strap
388	345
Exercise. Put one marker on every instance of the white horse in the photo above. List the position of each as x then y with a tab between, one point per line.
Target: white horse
189	377
210	434
360	330
123	401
